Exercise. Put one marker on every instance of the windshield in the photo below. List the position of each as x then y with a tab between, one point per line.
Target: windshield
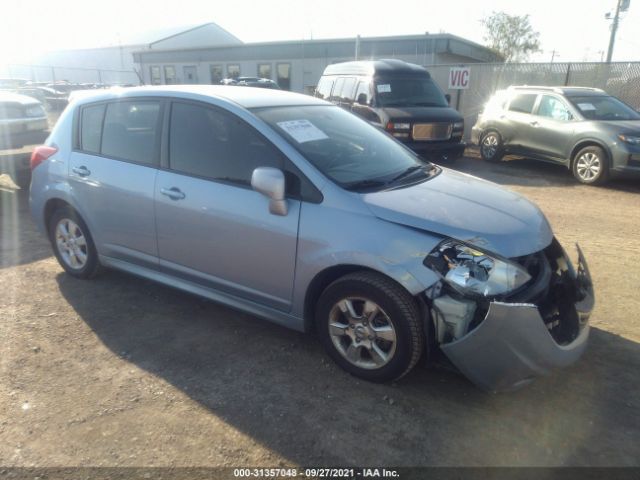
604	108
348	150
410	91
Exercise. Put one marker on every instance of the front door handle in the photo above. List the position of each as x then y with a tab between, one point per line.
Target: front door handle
534	123
82	171
173	193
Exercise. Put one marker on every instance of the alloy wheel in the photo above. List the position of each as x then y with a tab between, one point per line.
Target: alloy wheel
71	244
490	145
362	332
588	166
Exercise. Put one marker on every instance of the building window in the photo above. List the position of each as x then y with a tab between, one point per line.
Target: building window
170	75
233	70
264	70
156	78
216	74
283	71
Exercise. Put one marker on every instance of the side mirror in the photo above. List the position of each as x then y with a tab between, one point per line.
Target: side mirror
447	97
362	99
270	182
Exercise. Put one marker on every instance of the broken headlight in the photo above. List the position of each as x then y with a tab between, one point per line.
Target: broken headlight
471	271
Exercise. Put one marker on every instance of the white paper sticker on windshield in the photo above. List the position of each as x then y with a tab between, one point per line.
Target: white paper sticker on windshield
302	130
586	106
384	88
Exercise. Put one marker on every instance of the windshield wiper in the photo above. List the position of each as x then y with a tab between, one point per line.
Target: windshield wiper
407	172
360	184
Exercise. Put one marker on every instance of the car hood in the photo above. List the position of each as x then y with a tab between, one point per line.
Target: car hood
469	209
431	114
622	126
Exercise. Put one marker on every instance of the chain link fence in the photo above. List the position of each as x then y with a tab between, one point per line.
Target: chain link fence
621	79
51	74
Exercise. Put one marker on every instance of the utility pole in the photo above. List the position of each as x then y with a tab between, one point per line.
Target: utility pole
621	6
553	55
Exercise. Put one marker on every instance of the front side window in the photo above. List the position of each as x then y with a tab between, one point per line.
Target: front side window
346	94
410	91
91	128
156	78
553	108
523	103
264	70
233	71
131	130
170	75
604	107
208	142
283	71
345	148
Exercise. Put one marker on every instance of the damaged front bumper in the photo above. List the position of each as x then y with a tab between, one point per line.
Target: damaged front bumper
516	342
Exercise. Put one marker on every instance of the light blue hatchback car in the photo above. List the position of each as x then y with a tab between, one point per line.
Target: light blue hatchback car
290	208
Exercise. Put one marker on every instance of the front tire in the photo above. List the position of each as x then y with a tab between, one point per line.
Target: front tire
590	166
370	326
72	244
491	147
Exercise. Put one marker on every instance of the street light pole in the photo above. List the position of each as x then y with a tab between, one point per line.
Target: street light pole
614	29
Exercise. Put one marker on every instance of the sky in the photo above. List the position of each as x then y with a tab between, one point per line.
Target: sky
570	30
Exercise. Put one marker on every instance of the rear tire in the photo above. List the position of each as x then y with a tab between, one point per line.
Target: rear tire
491	147
591	166
72	244
370	326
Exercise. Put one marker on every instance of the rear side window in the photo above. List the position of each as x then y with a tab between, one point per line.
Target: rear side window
211	143
323	90
91	128
131	130
346	94
523	103
335	96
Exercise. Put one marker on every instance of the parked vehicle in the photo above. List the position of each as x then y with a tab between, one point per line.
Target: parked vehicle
401	98
23	121
593	134
289	208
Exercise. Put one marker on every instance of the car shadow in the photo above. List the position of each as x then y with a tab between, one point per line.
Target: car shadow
528	172
278	386
20	241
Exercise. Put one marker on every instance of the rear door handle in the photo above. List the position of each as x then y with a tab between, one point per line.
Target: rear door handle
82	171
173	193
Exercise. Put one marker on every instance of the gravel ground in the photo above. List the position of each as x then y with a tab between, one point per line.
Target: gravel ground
119	371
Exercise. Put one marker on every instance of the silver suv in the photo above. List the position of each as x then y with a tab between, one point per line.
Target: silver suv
593	134
292	209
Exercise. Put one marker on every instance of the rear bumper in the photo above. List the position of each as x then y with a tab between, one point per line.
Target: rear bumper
512	346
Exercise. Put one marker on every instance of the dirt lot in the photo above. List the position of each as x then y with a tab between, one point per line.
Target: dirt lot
121	371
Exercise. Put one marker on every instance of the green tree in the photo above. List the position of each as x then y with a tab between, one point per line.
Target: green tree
511	35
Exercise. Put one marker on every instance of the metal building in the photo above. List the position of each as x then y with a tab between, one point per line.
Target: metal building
297	65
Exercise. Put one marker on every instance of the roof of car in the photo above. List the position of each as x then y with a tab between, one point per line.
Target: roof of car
563	90
247	97
16	98
371	67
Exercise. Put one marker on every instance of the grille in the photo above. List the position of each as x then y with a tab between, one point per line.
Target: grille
432	131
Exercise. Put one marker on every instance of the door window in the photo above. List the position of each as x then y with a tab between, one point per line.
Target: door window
523	102
264	70
170	75
216	74
233	71
553	108
131	130
346	94
91	128
156	78
211	143
323	90
363	89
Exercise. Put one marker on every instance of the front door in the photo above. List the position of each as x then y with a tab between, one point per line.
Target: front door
553	129
213	229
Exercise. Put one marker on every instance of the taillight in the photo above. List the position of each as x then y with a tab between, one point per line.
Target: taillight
40	154
389	127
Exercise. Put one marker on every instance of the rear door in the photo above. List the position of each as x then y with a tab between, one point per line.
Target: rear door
213	228
112	172
520	122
